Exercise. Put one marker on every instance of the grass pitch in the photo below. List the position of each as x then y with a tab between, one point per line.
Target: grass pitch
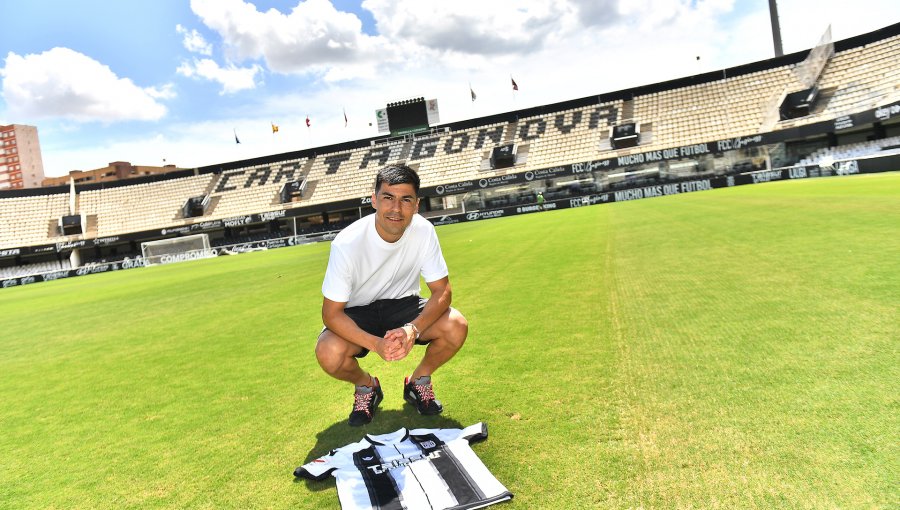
736	348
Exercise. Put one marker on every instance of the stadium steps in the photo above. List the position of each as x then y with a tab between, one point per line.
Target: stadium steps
521	155
304	187
404	153
646	134
627	110
52	228
179	215
822	101
306	168
212	185
485	161
213	202
605	144
511	132
310	189
90	229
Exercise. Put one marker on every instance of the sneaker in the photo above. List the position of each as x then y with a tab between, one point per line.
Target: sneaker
365	400
420	394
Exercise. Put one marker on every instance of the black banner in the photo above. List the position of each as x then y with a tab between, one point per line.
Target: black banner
69	273
870	165
503	180
281	242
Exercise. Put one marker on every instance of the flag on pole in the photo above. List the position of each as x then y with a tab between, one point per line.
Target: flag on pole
515	87
274	128
345	117
472	92
307	121
235	136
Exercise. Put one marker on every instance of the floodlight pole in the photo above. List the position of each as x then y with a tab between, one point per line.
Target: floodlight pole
776	29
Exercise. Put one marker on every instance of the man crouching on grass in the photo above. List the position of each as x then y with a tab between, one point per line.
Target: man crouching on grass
371	297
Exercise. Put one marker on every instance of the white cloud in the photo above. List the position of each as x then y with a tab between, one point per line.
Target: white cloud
167	91
475	26
232	78
314	37
66	84
193	41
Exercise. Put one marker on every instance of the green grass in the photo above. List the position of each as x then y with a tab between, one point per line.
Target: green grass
736	348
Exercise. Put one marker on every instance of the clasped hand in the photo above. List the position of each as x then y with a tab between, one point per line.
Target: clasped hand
396	344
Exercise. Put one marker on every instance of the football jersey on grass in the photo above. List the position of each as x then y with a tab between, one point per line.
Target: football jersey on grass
411	469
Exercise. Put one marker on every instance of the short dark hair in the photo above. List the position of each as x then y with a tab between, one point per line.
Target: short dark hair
397	174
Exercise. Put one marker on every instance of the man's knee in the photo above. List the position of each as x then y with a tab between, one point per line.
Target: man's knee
331	351
459	322
457	328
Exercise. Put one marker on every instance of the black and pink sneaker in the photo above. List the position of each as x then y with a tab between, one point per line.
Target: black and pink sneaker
365	400
420	394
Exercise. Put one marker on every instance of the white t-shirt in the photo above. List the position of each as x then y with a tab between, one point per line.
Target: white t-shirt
363	267
427	469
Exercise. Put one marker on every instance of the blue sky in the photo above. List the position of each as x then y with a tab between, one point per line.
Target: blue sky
143	81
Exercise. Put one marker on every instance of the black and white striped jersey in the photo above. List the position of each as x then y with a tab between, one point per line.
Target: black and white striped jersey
411	469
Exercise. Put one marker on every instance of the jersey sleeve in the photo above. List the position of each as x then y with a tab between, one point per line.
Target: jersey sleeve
472	433
338	281
320	468
475	433
434	267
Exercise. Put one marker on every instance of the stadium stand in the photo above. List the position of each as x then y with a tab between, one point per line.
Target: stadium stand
724	108
886	146
718	113
32	219
858	78
36	268
140	207
254	188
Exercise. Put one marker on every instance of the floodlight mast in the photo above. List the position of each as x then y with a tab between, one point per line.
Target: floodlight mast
776	29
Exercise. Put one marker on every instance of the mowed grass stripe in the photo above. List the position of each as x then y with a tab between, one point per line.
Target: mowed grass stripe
733	348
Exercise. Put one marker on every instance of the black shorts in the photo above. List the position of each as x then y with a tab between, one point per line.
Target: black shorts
378	317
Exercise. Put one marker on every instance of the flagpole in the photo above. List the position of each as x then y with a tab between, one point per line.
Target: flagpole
308	131
274	143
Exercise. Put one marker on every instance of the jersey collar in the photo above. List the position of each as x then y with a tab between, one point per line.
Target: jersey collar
391	438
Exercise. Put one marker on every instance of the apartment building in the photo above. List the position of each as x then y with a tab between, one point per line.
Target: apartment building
21	165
